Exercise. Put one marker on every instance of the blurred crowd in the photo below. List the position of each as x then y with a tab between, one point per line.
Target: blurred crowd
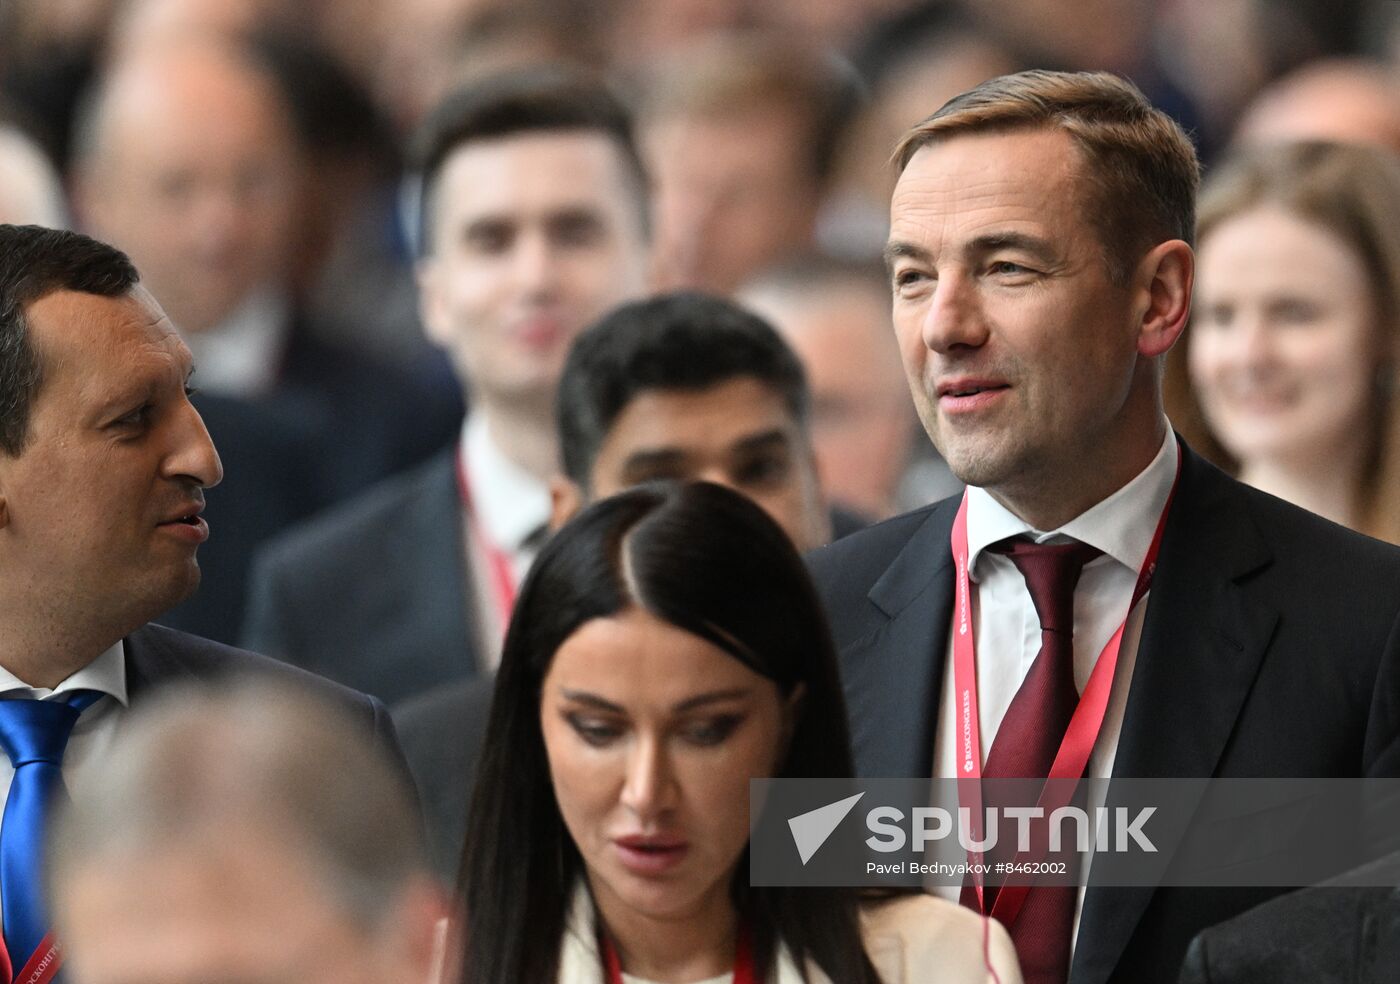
255	158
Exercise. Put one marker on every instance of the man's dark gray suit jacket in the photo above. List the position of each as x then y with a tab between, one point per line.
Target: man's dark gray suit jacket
373	593
1324	935
157	657
1267	631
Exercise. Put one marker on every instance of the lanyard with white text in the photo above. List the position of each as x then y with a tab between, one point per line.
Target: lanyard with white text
1084	725
743	959
42	966
498	566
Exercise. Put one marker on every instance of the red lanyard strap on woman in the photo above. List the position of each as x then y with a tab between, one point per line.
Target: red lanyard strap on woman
1083	731
498	566
743	959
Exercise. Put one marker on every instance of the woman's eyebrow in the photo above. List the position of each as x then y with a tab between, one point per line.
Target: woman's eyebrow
592	700
691	703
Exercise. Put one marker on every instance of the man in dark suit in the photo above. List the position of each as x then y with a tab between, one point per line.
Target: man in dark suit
536	223
103	466
1041	270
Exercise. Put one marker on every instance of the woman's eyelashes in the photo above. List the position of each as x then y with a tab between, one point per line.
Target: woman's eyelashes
702	732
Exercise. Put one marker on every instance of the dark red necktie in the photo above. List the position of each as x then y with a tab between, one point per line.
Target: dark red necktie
1030	735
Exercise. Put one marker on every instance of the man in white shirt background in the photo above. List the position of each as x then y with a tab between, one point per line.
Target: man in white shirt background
536	222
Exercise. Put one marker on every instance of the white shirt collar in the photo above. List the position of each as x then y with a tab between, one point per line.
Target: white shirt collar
509	502
242	355
1121	526
106	673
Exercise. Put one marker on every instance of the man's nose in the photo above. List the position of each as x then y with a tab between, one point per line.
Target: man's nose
954	316
192	454
535	264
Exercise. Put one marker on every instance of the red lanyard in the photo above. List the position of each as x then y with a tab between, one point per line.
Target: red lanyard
42	966
498	566
743	959
1084	725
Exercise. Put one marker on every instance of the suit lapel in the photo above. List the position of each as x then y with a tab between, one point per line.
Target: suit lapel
894	673
1202	642
436	603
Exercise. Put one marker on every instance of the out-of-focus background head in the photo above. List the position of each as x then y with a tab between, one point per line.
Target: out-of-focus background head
186	158
1288	372
245	830
741	133
836	317
30	192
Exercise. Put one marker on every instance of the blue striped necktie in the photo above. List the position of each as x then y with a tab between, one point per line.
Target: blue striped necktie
34	734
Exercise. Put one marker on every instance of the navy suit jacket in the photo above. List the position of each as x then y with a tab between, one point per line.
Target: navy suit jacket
333	425
157	657
1330	934
372	593
1266	632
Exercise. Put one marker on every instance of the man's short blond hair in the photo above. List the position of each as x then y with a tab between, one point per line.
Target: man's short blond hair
1141	167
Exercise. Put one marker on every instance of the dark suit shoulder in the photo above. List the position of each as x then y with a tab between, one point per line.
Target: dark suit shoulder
1317	934
861	557
442	732
1344	551
157	656
1304	565
323	544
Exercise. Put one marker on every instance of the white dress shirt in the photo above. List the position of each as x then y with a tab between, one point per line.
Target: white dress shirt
510	506
96	729
1007	628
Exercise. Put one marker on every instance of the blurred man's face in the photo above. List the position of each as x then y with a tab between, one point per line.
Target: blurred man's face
738	433
734	194
196	181
100	511
862	422
534	237
245	909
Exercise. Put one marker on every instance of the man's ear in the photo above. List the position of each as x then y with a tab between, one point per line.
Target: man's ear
432	311
565	500
1165	277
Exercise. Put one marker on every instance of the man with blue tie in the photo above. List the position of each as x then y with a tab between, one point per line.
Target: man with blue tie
103	466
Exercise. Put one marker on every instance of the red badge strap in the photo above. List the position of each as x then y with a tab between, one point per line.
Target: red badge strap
43	965
1084	725
498	566
743	958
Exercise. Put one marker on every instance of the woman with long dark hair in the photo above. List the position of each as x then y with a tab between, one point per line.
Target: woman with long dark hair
666	648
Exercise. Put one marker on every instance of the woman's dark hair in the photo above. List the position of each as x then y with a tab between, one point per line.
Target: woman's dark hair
708	561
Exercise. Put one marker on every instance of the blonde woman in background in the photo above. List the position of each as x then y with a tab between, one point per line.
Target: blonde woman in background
1288	374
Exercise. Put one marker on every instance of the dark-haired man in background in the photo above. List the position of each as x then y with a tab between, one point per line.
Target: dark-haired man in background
683	387
103	466
536	222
